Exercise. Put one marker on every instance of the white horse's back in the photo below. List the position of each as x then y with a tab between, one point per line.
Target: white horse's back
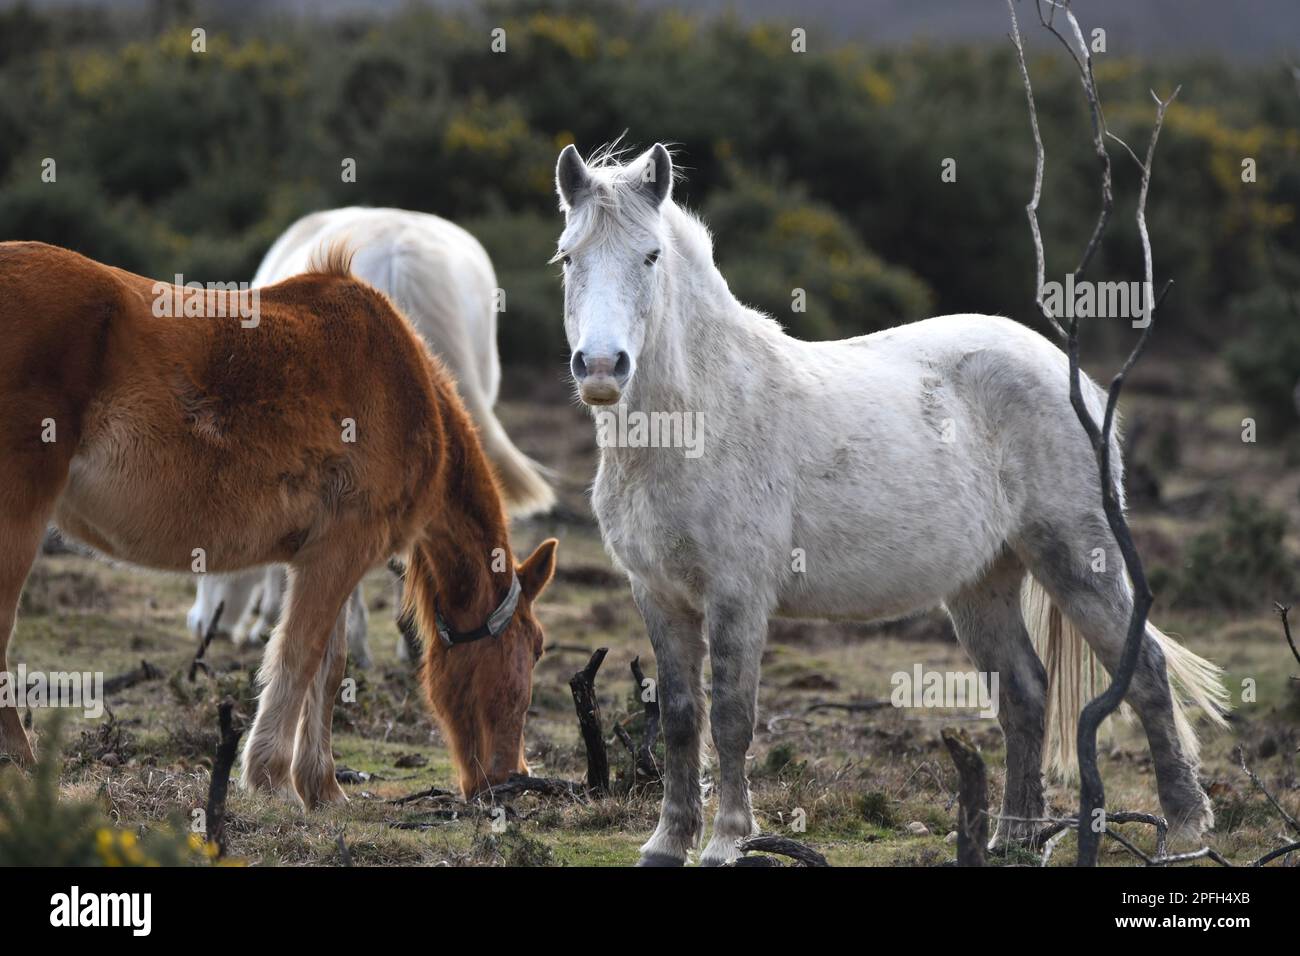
435	271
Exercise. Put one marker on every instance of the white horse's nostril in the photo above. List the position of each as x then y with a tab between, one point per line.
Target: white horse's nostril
587	367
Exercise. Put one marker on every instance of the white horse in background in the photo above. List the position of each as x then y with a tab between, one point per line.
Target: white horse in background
442	279
938	463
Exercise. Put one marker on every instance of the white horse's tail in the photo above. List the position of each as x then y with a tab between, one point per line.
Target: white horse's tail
1075	676
523	481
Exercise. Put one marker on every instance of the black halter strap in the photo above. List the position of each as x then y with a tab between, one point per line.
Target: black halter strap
495	624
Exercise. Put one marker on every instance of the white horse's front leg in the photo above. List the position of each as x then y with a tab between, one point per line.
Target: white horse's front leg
737	631
679	648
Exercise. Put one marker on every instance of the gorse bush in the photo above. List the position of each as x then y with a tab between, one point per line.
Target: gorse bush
1239	563
38	827
818	171
1266	359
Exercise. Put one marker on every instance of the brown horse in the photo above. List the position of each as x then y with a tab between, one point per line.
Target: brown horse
328	424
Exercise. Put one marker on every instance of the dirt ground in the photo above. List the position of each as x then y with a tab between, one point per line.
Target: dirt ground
872	788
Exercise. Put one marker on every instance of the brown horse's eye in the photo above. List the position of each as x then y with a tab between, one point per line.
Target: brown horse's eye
652	258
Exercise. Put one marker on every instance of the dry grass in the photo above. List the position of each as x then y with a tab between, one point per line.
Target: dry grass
856	780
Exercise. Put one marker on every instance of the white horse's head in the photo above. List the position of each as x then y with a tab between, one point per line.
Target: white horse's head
611	247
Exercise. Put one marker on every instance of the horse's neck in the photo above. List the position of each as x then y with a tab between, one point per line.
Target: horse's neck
470	546
689	353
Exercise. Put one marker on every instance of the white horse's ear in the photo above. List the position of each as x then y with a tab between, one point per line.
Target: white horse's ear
657	172
571	176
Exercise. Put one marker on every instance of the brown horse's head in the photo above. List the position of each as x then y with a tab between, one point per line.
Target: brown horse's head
480	691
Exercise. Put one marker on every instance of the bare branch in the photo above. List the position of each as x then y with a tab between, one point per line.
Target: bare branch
198	661
1092	792
1283	610
1083	61
1031	209
1259	784
1274	854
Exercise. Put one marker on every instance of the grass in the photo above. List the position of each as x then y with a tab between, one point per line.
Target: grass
848	784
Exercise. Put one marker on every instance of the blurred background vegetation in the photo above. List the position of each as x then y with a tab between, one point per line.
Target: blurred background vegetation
819	170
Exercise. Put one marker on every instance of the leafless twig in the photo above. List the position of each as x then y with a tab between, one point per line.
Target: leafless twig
1274	854
144	672
198	661
1259	784
1283	610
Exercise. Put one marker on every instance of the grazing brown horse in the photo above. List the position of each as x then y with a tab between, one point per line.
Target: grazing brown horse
327	423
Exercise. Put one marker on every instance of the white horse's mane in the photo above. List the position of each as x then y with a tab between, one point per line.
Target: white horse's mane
618	207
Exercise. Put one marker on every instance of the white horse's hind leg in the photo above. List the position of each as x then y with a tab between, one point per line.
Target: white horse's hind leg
358	626
679	658
271	604
1099	604
737	631
986	617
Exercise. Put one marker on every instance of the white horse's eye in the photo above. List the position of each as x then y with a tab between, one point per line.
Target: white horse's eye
567	260
652	258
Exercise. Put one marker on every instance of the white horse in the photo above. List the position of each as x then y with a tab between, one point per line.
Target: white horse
442	279
935	463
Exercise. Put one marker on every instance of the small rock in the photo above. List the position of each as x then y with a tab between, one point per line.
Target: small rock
951	838
917	828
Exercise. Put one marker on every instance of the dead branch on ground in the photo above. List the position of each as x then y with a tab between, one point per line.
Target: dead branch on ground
583	685
801	854
221	766
973	797
644	767
145	672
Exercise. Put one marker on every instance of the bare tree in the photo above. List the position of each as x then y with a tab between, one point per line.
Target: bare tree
1092	794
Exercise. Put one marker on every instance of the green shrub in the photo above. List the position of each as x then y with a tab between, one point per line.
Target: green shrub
1240	563
38	827
1265	361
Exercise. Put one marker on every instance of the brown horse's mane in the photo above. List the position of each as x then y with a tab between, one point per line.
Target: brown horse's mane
333	259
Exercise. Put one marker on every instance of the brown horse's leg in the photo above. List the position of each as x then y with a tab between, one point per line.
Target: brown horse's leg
317	590
313	758
21	535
